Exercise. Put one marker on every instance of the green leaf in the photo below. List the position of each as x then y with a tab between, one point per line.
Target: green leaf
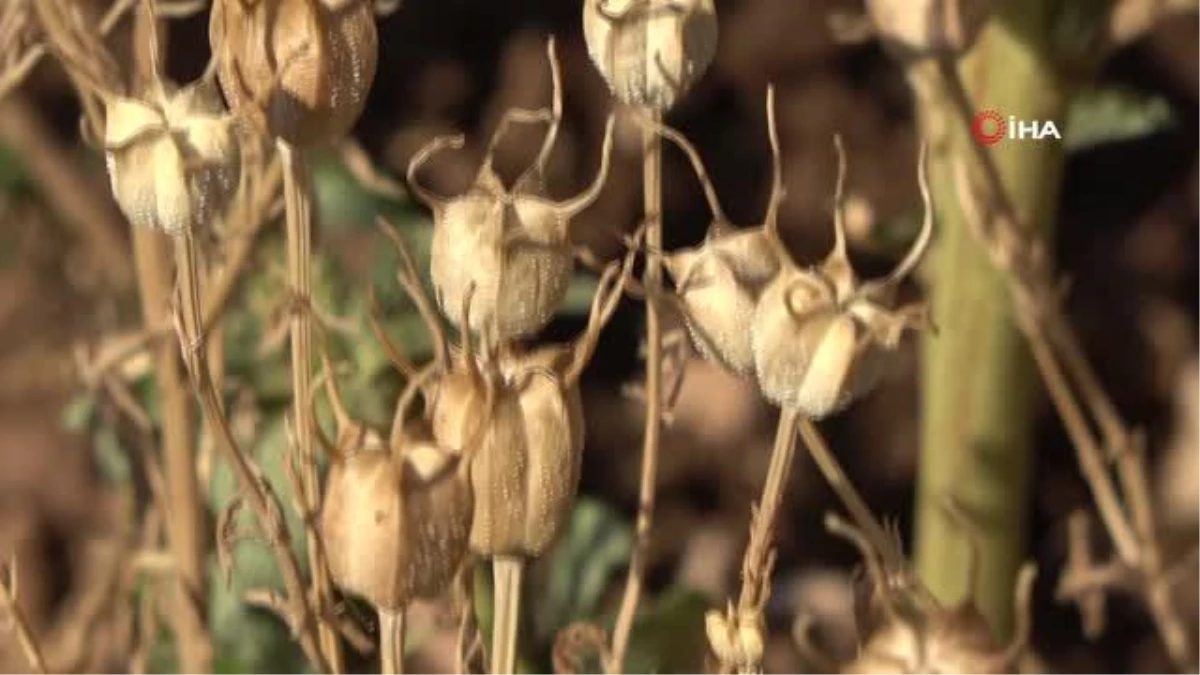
668	636
112	459
249	639
579	295
584	561
78	413
1108	115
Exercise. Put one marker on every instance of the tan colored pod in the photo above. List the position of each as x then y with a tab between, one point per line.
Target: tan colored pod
394	520
395	530
299	70
173	157
650	52
820	337
909	631
511	247
519	417
719	282
929	27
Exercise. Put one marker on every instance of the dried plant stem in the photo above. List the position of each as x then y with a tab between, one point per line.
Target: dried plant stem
184	514
391	641
652	282
506	581
11	614
297	191
755	565
885	546
253	488
185	525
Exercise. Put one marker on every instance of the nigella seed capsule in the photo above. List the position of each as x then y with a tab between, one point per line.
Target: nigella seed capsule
650	52
719	282
299	70
820	337
510	247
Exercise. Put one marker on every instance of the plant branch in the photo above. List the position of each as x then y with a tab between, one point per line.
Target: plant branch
652	282
297	195
253	488
14	615
391	641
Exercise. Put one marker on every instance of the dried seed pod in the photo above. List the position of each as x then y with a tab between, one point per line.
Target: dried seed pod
820	337
929	27
173	157
299	70
513	247
913	633
395	521
650	52
525	467
718	283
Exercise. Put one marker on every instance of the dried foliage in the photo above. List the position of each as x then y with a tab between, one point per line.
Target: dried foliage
483	458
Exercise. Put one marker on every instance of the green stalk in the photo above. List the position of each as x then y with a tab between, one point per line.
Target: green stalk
979	384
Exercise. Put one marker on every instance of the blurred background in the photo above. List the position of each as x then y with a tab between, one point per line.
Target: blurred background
1126	241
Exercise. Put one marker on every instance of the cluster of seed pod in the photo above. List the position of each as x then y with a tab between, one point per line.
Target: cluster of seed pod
490	469
818	337
908	631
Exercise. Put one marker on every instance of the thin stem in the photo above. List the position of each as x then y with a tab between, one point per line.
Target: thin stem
755	585
831	469
253	489
506	581
652	282
391	641
12	614
297	196
185	523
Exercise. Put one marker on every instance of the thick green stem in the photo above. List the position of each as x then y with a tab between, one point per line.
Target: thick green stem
978	381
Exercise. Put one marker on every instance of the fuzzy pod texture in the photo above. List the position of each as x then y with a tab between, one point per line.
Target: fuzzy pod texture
523	430
958	641
394	527
299	70
172	156
510	248
929	27
650	52
821	337
719	283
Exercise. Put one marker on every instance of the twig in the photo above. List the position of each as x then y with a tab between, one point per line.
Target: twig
254	489
652	282
506	572
391	641
14	615
297	195
182	509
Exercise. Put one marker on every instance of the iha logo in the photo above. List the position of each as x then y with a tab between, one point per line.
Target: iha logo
990	127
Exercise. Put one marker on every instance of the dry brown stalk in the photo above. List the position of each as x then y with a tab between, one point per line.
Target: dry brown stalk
652	282
1097	432
16	618
185	523
255	491
297	194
